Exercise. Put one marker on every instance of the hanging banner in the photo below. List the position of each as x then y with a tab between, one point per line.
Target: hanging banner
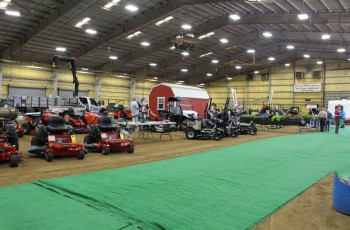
234	97
300	88
270	97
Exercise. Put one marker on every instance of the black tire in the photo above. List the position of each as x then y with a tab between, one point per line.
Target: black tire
14	160
253	131
13	137
217	136
183	125
130	149
49	156
234	134
105	150
191	134
26	128
36	141
89	140
81	155
20	134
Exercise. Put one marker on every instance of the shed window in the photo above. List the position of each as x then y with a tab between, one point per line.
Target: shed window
160	103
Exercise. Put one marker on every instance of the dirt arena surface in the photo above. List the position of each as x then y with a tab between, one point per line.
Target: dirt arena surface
310	210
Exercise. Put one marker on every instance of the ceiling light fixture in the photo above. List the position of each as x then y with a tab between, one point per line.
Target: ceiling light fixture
206	54
181	81
235	17
341	50
13	13
287	64
91	31
61	49
306	56
202	84
271	58
113	57
4	4
229	78
82	22
326	36
256	71
172	47
215	61
145	43
238	67
134	34
224	40
184	70
160	22
303	16
206	35
132	8
267	34
209	74
250	51
186	27
319	62
185	53
153	64
290	47
110	4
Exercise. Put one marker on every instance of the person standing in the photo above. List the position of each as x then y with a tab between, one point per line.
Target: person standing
343	117
135	110
329	120
323	118
337	117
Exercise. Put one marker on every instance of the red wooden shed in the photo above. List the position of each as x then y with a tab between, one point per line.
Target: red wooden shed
159	95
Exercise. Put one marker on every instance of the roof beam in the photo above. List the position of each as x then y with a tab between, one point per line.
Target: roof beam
43	24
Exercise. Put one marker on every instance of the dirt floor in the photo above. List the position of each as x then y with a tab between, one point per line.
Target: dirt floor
311	210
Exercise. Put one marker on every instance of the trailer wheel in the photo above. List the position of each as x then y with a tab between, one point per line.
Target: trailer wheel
234	134
81	155
217	136
253	131
191	134
14	159
130	149
49	157
26	128
105	150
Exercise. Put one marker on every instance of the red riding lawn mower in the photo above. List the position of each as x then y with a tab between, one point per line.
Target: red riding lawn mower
31	120
55	139
9	143
107	137
76	121
121	112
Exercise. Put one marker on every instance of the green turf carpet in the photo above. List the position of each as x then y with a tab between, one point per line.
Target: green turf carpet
228	188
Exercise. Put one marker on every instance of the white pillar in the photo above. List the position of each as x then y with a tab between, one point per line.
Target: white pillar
54	83
1	95
98	80
132	85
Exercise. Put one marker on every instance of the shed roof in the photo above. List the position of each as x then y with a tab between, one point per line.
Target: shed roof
187	91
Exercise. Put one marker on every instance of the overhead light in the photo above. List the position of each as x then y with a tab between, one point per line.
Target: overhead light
110	4
113	57
326	36
209	74
184	70
287	64
238	67
131	8
341	50
181	81
229	78
91	31
145	43
348	59
223	40
159	23
290	47
61	49
155	78
215	61
256	71
267	34
306	56
250	51
185	53
235	17
271	58
34	67
186	26
84	69
4	4
153	64
121	76
206	54
134	34
319	62
303	16
202	84
13	13
206	35
82	22
172	47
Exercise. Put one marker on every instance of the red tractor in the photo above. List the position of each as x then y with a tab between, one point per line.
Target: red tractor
55	139
106	137
76	121
9	143
121	112
32	120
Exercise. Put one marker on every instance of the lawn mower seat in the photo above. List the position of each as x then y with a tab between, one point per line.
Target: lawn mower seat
56	125
105	124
